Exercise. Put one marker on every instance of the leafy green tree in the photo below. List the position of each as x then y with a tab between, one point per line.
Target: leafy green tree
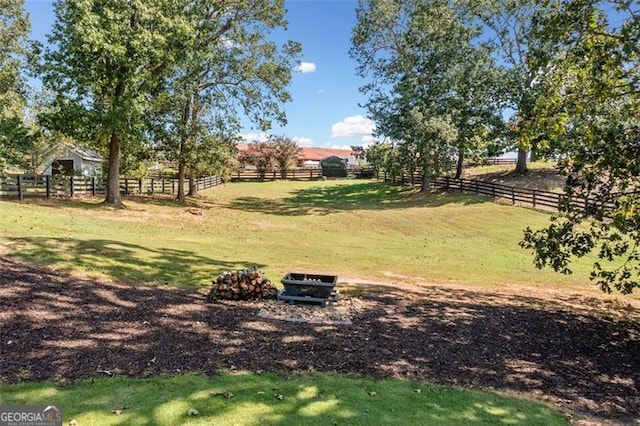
230	68
376	154
591	103
15	137
416	54
104	63
509	25
286	153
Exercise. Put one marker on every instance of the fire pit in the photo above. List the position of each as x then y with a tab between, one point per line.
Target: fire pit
301	287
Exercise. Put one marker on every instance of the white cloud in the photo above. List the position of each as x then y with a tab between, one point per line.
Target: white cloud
306	67
254	137
354	125
321	91
367	140
340	146
302	141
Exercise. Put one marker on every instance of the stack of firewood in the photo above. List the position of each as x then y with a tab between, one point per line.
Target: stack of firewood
245	284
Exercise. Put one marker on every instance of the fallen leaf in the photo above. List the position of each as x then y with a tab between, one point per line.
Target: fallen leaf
280	397
418	390
228	395
117	412
371	393
261	392
192	412
216	392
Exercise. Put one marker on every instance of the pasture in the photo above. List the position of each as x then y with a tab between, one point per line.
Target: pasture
450	298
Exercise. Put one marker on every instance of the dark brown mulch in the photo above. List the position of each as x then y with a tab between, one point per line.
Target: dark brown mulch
54	326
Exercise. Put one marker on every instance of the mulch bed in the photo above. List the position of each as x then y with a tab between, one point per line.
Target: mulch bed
54	326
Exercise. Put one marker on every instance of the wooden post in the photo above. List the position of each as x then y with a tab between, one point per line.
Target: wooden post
513	195
173	186
93	186
139	186
534	198
20	194
47	180
126	186
152	185
477	191
71	188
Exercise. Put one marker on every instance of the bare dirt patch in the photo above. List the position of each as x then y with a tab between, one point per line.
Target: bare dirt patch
573	351
544	179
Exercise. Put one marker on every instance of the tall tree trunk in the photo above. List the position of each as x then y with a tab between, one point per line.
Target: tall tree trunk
460	161
181	197
521	165
193	188
113	174
535	151
426	175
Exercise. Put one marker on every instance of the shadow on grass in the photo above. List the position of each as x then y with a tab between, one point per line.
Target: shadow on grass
96	203
321	200
59	327
125	262
316	399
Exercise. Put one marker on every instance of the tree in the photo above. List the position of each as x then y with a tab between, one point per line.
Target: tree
15	138
104	63
509	24
591	103
260	154
416	53
230	68
286	153
376	154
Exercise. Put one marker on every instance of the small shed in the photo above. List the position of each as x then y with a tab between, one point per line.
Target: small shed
71	159
334	166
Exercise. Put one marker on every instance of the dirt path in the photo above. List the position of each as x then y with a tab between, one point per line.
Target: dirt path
577	353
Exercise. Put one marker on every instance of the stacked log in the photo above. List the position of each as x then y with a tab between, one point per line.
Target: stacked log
244	284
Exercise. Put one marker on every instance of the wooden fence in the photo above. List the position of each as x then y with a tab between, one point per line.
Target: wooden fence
522	196
295	174
22	186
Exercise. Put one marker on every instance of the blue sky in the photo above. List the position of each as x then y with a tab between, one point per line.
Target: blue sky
324	111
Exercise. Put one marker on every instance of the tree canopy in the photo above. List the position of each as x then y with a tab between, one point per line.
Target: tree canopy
591	105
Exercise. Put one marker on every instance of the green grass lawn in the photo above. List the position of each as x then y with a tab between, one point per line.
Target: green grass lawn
358	230
251	399
362	231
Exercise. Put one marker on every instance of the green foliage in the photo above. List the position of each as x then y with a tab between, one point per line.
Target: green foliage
424	91
15	138
259	154
591	104
286	153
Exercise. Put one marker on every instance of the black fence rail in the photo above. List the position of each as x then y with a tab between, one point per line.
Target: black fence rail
295	174
24	186
535	198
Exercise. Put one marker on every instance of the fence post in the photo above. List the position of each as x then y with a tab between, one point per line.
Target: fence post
93	186
47	180
126	186
513	195
20	194
534	198
152	186
71	188
477	190
446	187
139	186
